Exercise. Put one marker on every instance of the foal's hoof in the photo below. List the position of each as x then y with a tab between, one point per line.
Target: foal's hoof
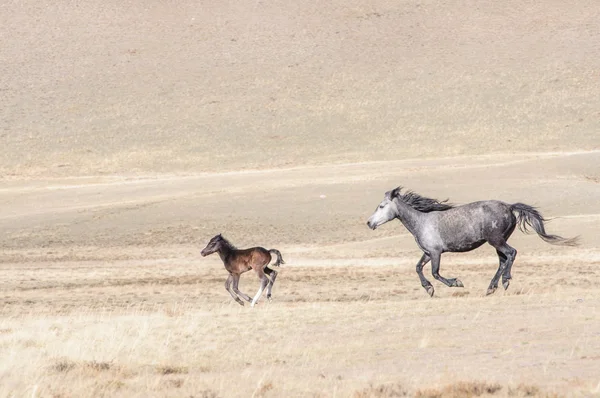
491	290
240	302
506	283
269	298
430	290
458	283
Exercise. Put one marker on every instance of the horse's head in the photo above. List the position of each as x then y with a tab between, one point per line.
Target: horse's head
213	245
386	211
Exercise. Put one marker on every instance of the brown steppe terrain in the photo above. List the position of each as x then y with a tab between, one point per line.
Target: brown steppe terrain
133	132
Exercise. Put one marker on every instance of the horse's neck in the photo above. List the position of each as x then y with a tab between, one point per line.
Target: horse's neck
224	252
408	216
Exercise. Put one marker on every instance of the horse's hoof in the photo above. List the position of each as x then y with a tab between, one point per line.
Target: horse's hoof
458	283
269	298
491	290
430	290
506	283
240	303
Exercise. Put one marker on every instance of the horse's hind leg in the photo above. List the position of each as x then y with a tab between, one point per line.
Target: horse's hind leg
494	283
435	270
272	275
424	282
236	281
264	281
228	288
506	276
507	255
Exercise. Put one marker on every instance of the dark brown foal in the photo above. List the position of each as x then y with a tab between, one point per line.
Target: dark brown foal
238	261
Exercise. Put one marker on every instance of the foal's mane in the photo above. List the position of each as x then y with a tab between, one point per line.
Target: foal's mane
421	203
227	243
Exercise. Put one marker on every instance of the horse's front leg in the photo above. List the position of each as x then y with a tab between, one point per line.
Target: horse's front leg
236	281
435	271
424	282
228	288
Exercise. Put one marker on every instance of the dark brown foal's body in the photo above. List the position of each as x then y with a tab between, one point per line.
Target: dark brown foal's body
238	261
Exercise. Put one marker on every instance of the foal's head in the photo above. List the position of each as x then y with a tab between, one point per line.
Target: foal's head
386	211
213	245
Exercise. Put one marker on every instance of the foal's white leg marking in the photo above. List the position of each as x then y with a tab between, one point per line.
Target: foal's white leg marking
258	294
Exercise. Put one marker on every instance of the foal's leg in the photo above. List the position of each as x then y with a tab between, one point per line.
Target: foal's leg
264	281
236	281
507	256
272	274
435	271
228	288
424	282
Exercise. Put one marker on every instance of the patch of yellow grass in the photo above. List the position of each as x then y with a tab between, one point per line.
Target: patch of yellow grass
329	331
461	390
382	391
168	369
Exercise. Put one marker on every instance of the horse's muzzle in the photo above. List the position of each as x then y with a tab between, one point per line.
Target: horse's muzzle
371	226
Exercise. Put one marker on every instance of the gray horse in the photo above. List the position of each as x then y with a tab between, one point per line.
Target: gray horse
440	227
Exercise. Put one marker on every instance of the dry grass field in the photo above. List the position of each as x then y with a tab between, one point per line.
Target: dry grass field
133	132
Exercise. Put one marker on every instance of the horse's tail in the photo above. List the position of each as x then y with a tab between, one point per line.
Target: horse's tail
529	216
279	258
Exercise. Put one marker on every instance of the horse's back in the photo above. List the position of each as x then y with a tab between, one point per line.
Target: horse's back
260	255
466	227
490	205
475	211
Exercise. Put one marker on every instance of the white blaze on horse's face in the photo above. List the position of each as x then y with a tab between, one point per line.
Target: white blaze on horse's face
386	211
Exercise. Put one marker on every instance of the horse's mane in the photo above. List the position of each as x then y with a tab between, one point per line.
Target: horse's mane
422	203
227	243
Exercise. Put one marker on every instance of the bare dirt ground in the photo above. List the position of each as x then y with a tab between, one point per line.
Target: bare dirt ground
132	133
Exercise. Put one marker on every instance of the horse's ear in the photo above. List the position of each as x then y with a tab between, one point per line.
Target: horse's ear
395	192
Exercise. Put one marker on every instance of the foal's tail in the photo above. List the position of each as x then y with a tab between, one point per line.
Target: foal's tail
279	258
528	215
